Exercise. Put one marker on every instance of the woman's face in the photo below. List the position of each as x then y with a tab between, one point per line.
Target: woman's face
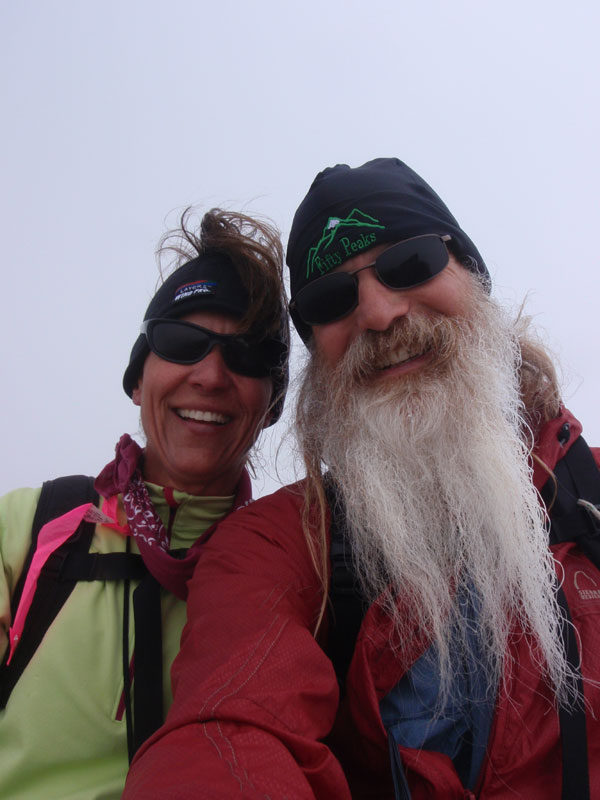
201	419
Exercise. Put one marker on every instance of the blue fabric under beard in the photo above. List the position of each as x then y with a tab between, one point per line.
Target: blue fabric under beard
461	728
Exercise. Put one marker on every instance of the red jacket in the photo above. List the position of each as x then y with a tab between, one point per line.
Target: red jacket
256	696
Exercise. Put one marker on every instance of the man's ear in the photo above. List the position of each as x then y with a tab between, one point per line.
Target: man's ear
136	395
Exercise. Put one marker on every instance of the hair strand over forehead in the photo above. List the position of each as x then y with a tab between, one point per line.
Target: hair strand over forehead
254	246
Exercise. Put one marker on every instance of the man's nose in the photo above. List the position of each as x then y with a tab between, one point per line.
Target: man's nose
211	373
378	306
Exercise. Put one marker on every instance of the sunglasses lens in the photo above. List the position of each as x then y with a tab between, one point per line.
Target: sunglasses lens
327	299
178	342
411	263
255	359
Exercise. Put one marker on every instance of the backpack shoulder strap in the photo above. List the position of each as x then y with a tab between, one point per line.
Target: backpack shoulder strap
57	497
69	564
578	479
346	603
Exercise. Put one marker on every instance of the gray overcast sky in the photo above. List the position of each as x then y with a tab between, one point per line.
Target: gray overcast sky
117	115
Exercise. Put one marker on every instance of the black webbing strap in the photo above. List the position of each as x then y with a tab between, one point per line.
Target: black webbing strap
573	734
577	477
148	675
346	605
56	498
401	790
102	567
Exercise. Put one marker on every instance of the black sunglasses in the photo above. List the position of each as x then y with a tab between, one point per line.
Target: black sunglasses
185	343
402	266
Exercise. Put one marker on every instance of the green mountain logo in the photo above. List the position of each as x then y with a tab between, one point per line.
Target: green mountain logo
333	232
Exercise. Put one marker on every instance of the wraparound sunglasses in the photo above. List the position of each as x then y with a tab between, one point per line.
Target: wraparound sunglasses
402	266
185	343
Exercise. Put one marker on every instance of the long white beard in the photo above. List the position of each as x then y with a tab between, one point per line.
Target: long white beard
433	473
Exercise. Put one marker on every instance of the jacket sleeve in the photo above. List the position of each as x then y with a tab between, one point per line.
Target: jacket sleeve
17	510
254	694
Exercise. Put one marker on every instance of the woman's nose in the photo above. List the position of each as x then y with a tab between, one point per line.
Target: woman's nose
211	372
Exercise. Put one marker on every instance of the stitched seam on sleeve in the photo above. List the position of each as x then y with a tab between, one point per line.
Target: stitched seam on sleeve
221	756
237	672
253	672
234	766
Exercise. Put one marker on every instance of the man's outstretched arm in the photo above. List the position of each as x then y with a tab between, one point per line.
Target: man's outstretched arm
254	694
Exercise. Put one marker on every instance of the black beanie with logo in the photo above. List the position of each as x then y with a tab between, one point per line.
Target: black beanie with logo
348	210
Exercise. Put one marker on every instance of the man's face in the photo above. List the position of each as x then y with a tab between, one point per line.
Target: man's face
379	307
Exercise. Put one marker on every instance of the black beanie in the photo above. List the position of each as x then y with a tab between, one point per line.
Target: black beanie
348	210
209	282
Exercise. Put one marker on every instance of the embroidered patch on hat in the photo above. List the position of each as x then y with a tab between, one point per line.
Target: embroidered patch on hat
195	288
341	239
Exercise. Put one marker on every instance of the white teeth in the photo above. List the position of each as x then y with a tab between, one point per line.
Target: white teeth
396	357
202	416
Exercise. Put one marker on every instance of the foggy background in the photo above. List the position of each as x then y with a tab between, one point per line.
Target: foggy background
117	115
